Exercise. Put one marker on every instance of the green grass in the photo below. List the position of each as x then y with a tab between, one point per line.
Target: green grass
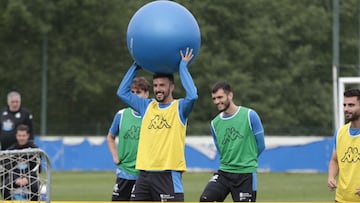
278	187
294	187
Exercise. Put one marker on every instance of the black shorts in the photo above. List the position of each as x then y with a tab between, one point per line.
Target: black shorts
162	186
240	185
122	189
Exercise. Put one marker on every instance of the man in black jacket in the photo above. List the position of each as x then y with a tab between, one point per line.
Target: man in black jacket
23	169
12	116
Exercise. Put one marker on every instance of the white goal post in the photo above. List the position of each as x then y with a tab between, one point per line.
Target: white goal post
25	175
343	81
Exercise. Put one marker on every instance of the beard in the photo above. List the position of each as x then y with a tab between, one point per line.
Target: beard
351	116
226	106
159	99
162	97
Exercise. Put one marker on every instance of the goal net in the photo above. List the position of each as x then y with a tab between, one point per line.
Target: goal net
25	175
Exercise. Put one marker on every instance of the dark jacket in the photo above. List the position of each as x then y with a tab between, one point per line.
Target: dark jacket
25	163
9	121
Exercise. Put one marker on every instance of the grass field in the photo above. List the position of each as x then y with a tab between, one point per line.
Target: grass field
272	187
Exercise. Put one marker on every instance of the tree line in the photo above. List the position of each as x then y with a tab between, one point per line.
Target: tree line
276	54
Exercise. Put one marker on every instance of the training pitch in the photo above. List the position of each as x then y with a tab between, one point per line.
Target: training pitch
272	187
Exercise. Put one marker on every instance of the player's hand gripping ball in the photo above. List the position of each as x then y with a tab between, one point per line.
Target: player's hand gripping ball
158	31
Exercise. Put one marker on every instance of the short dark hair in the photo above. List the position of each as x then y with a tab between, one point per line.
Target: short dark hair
353	92
23	127
221	85
141	83
163	75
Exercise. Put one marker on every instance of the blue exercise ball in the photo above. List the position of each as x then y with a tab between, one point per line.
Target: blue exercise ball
158	31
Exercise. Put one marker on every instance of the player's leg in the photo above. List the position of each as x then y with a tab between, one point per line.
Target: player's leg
216	190
243	188
141	189
167	186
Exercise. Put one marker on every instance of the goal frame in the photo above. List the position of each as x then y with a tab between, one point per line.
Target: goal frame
44	158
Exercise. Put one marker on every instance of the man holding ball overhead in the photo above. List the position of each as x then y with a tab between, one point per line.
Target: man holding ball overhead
160	156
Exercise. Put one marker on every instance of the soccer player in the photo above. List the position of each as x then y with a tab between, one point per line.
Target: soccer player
126	126
239	137
12	116
160	156
345	162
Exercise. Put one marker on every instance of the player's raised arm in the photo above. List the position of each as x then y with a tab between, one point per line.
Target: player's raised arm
187	104
125	94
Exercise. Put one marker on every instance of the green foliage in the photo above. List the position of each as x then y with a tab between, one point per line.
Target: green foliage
276	54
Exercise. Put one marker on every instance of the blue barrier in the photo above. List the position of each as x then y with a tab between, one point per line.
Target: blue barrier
282	153
312	157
